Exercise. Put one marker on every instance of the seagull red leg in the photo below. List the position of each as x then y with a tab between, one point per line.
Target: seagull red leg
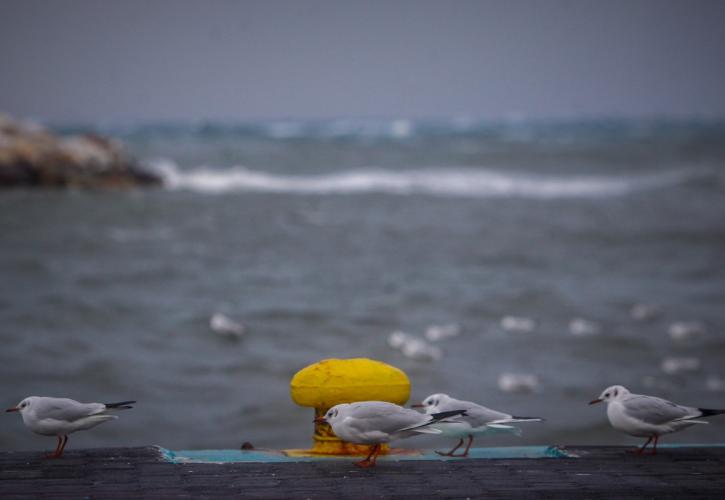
367	462
65	441
450	453
57	449
468	446
376	450
654	446
641	450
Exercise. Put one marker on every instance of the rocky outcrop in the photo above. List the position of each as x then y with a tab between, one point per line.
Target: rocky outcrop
31	156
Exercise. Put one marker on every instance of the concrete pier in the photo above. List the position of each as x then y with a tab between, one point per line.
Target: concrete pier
596	472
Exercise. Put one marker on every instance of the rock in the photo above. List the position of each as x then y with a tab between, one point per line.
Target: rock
31	156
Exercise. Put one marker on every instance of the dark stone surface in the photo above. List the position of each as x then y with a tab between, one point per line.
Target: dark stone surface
600	472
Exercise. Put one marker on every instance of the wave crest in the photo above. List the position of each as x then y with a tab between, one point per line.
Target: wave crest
451	182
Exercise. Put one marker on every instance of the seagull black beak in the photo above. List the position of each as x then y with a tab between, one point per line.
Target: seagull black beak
595	401
15	408
320	420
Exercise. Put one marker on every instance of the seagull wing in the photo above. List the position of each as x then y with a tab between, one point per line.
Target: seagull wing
476	415
656	411
385	417
67	410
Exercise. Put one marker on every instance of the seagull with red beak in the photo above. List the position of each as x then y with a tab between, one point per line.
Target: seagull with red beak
648	416
61	416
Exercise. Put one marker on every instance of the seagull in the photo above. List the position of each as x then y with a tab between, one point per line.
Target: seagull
62	416
226	327
648	416
377	422
477	421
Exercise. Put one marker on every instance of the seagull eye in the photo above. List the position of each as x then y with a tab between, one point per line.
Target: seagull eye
606	395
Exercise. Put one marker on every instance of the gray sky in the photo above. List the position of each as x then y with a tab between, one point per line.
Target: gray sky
130	60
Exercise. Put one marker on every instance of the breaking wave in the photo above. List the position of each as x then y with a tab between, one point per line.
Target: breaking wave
446	182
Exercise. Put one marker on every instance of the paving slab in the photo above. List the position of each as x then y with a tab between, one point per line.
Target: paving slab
590	472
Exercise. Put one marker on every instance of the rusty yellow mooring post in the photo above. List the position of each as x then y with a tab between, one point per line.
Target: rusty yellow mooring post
333	381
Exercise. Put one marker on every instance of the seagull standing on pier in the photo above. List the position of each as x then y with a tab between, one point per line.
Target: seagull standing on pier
477	421
62	416
648	416
377	422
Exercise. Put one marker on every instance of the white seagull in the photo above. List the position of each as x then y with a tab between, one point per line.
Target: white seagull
377	422
648	416
477	421
62	416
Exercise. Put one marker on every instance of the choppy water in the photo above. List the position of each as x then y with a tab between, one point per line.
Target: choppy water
322	238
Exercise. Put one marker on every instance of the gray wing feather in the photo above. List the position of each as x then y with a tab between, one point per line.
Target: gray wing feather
476	415
67	410
385	417
656	411
480	415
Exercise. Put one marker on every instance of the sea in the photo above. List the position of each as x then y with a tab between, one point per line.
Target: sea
522	264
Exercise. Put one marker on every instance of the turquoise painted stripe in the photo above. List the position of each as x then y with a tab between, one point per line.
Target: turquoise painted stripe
267	456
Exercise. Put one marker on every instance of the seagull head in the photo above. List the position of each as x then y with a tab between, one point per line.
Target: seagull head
332	415
609	394
22	406
432	402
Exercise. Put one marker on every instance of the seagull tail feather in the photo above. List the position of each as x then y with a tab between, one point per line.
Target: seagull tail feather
705	412
123	405
435	418
518	419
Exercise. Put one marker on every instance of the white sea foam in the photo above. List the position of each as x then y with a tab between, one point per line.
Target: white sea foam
397	339
414	347
517	324
644	312
286	129
580	327
685	330
675	366
436	333
451	182
401	128
518	382
715	383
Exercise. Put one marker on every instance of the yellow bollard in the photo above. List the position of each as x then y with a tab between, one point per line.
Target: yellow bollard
330	382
